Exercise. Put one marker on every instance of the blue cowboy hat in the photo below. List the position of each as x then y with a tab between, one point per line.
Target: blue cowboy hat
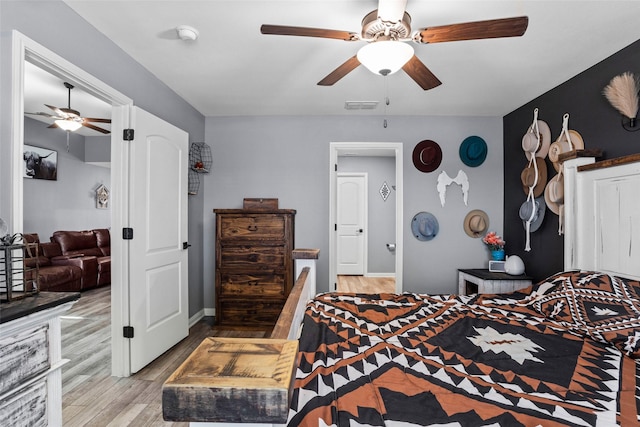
424	226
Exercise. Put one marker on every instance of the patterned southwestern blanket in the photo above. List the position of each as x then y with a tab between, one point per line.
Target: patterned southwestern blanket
480	360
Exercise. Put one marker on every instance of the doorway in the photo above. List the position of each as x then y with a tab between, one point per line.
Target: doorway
26	50
363	149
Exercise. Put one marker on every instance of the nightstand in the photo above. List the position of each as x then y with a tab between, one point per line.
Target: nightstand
481	281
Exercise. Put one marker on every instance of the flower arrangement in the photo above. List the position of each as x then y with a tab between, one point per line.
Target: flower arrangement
493	241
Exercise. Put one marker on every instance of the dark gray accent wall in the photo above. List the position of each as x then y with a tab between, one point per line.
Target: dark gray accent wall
598	123
60	29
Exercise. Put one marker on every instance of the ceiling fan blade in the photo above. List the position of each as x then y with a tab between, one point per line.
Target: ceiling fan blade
96	120
421	74
57	110
96	128
494	28
40	113
348	66
284	30
391	10
53	125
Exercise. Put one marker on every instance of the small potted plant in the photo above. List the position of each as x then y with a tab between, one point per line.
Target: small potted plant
495	243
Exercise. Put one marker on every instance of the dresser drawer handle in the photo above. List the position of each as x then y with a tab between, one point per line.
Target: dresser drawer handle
252	228
253	282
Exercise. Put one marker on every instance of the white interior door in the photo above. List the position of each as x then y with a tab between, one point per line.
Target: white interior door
158	288
351	224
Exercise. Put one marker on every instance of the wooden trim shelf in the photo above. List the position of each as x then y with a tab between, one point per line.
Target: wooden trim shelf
632	158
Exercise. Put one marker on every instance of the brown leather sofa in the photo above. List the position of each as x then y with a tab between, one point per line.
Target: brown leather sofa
57	272
88	243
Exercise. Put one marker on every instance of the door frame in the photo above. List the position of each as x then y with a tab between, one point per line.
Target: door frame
26	49
386	149
365	221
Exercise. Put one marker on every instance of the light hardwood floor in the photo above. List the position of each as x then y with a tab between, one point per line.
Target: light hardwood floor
366	285
90	395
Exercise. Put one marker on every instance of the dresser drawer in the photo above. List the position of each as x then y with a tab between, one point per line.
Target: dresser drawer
249	313
27	407
260	257
249	285
250	227
22	356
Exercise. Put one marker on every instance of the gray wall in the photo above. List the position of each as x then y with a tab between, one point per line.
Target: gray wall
57	27
69	202
288	158
598	123
381	214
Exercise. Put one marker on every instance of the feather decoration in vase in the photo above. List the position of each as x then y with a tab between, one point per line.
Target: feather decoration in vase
622	93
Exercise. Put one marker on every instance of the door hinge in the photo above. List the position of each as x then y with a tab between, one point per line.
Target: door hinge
335	227
335	167
127	331
127	134
127	233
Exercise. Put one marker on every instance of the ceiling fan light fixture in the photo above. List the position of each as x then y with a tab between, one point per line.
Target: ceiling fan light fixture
68	125
385	57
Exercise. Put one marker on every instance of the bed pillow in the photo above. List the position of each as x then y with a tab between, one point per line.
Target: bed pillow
602	306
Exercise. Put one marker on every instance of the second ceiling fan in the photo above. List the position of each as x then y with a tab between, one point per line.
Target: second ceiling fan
388	28
69	119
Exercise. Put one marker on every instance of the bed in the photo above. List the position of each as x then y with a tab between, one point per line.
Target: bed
561	352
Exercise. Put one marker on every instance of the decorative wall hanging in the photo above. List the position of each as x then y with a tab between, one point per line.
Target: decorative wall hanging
444	180
424	226
102	197
40	163
427	156
385	191
473	151
622	94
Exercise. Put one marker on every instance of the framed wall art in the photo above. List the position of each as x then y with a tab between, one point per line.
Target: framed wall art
40	163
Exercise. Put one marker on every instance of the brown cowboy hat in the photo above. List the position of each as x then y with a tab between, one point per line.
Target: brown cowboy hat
476	223
561	145
528	176
554	194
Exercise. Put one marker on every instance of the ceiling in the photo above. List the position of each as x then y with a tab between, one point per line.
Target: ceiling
233	70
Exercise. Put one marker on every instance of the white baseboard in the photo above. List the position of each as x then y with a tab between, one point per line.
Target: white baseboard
210	312
196	318
380	275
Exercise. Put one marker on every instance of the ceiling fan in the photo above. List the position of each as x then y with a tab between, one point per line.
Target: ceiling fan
387	28
69	119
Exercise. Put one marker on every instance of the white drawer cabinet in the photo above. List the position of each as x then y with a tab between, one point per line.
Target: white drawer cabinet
31	359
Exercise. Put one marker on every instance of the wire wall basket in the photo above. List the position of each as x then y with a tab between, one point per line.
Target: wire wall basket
193	182
200	158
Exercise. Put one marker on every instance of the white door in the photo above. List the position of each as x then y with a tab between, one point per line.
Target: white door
158	288
351	216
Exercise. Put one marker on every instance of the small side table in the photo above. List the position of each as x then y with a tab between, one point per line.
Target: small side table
481	281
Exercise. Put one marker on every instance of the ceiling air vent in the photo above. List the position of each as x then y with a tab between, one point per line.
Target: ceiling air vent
360	105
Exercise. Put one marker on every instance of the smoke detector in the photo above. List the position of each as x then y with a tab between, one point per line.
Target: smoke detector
187	33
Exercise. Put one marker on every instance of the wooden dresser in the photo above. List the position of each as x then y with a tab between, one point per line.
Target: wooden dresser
254	266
